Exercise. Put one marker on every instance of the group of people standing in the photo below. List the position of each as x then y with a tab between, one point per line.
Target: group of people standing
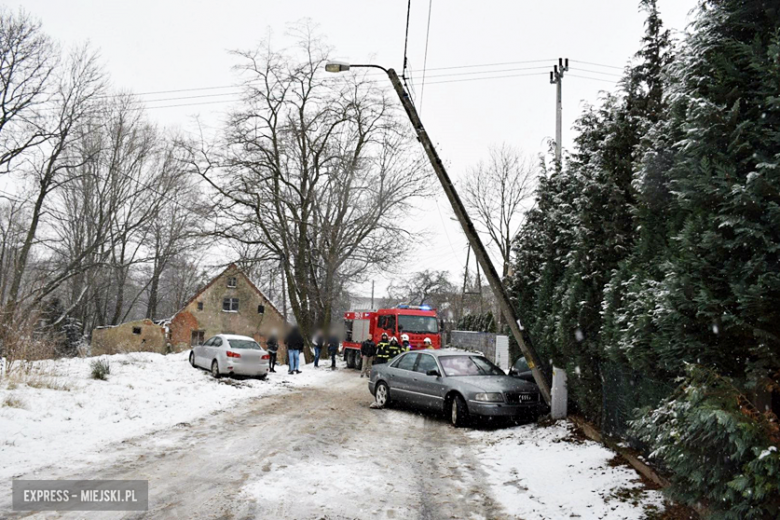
384	351
372	354
294	342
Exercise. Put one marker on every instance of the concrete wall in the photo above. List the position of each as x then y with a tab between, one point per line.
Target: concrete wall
121	338
213	320
484	342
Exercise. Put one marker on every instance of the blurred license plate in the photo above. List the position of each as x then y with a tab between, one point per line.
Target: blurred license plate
516	398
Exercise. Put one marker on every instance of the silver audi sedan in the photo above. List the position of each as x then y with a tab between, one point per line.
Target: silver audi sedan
463	385
231	354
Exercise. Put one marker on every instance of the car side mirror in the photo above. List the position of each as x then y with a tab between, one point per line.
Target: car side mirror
433	372
513	371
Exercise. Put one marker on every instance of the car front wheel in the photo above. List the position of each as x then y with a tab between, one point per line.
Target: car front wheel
214	369
459	414
192	359
382	395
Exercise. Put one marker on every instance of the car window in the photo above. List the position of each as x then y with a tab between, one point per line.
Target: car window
426	363
244	344
209	342
521	365
407	362
469	366
217	342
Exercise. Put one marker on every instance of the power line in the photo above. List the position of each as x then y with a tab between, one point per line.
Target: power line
597	64
492	77
406	42
425	59
596	79
600	72
453	67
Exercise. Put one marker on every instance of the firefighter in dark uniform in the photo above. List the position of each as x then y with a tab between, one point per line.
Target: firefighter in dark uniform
394	348
382	352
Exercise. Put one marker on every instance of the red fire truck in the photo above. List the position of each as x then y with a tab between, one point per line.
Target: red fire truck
417	322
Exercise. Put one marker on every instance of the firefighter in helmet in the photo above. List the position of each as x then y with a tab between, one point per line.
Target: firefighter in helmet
394	348
382	350
427	343
405	343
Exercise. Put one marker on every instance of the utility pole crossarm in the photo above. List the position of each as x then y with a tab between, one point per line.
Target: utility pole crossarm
477	246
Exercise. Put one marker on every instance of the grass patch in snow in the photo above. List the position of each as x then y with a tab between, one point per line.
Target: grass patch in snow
11	401
100	369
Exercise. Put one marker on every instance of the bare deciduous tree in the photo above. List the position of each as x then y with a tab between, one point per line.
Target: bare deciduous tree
27	62
424	287
317	173
80	81
495	194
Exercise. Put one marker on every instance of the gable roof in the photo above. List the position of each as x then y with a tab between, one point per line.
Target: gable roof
217	277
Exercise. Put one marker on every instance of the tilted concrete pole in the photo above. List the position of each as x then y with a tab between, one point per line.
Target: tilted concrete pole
507	309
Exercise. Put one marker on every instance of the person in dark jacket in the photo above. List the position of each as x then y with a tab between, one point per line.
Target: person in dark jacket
333	349
368	351
319	344
272	346
294	342
394	348
382	352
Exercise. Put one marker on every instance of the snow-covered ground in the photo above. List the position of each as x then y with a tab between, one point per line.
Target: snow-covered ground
540	473
323	437
54	414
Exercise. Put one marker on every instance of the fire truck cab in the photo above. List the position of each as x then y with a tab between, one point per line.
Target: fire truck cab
417	322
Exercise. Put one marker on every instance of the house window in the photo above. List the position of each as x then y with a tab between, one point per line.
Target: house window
200	306
230	304
137	330
197	338
231	282
261	309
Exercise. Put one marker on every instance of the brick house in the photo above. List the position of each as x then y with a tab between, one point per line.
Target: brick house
228	304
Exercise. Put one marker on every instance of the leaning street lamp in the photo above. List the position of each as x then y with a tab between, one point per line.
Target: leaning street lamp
507	309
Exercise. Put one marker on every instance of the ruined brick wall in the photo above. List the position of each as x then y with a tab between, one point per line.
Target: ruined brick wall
123	338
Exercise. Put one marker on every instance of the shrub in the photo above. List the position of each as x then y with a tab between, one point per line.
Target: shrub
13	402
100	369
722	454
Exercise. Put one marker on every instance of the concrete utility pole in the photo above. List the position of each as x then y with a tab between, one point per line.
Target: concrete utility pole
471	233
372	295
458	207
556	78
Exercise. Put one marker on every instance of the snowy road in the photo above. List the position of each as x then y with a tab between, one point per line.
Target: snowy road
317	453
320	452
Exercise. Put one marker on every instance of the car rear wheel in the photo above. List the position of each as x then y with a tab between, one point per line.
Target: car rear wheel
214	369
459	414
382	395
192	359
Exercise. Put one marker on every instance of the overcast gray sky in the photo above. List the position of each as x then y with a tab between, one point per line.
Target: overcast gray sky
161	45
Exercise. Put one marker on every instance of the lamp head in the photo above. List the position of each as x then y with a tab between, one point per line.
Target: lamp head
335	66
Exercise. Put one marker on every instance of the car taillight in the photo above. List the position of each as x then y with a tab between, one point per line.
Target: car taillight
233	354
267	356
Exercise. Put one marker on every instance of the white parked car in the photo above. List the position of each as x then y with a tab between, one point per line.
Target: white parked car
231	354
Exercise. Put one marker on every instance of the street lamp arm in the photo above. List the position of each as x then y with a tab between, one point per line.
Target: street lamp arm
369	66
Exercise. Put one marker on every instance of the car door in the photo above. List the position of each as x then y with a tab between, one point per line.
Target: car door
214	352
431	389
400	376
200	352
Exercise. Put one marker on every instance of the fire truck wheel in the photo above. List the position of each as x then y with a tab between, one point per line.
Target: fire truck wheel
350	358
358	361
